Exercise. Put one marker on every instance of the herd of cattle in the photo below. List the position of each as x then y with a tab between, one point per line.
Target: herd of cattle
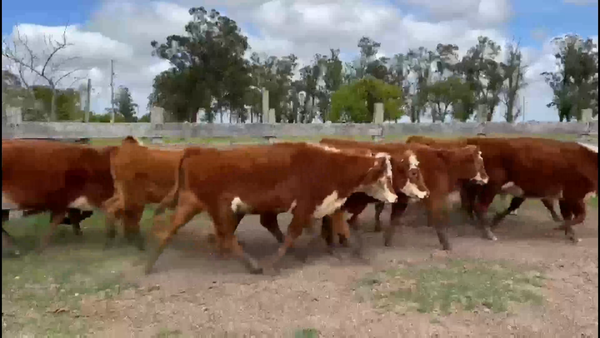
309	180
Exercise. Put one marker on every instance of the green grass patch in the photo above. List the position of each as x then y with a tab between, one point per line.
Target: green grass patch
168	333
594	202
306	333
456	285
43	294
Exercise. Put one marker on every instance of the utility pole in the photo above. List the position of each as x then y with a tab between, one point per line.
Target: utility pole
112	92
87	100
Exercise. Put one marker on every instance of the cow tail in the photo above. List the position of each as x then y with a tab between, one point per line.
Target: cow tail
171	199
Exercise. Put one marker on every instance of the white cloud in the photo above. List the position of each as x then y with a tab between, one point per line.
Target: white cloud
122	30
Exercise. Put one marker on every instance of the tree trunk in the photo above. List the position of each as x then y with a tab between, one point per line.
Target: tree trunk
53	105
490	114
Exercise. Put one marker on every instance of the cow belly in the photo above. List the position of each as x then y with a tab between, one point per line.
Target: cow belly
511	188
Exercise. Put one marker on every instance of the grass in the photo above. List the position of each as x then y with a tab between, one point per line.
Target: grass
306	333
593	202
44	295
465	285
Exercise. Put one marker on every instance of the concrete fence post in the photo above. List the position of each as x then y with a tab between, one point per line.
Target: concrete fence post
265	105
378	113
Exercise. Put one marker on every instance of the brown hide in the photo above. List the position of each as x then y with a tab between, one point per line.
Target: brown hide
539	168
295	177
49	176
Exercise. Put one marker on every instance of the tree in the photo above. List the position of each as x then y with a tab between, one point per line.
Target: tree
46	65
513	71
445	94
575	82
419	62
125	105
208	67
355	102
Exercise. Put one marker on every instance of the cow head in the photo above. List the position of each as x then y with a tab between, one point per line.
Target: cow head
407	176
378	181
470	163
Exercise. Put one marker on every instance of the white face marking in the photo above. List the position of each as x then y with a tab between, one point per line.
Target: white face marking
589	146
411	190
413	162
330	204
238	206
381	189
479	155
480	180
81	203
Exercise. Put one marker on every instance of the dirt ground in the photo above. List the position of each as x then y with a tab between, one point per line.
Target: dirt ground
193	292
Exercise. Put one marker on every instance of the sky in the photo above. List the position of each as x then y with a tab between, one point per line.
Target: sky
101	30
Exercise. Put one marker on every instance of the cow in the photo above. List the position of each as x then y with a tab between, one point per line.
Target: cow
442	170
308	180
144	175
467	205
407	181
141	176
50	176
528	167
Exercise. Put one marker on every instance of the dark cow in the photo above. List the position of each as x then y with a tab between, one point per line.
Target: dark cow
50	176
308	180
528	167
442	172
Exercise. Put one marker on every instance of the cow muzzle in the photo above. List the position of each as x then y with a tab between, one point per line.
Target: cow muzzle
412	190
479	179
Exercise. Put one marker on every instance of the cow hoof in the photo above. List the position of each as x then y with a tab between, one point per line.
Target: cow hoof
574	240
487	234
377	227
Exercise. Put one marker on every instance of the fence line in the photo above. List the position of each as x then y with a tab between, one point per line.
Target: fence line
70	130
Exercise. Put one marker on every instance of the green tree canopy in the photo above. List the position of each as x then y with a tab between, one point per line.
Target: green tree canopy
355	102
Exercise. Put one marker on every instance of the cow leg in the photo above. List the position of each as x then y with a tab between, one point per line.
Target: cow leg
565	211
183	214
398	209
269	221
113	209
55	220
577	208
515	203
437	217
131	226
75	216
467	199
549	204
378	210
481	208
294	231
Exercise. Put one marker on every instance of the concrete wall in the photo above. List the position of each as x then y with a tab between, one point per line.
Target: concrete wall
63	130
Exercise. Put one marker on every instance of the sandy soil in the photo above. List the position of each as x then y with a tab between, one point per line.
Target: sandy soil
199	294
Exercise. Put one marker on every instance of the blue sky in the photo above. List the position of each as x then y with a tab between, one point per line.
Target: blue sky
122	29
45	12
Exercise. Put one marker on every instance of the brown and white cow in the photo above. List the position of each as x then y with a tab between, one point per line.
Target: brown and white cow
51	176
468	205
528	167
308	180
442	170
407	181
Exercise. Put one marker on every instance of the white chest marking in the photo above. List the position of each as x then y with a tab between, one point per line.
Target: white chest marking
238	206
330	204
81	203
